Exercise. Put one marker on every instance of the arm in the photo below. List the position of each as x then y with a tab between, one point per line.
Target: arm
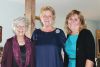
62	38
89	63
4	57
34	35
65	59
90	50
62	53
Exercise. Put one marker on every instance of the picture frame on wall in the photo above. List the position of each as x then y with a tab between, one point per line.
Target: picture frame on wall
0	34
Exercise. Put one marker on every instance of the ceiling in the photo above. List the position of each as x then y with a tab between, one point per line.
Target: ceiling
89	8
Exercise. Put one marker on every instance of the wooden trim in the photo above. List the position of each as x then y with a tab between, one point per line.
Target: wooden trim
37	18
30	14
0	34
98	43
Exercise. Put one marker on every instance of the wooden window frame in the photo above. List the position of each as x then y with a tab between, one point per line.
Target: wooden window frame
0	34
98	43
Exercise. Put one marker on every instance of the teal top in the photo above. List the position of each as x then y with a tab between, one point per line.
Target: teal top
70	48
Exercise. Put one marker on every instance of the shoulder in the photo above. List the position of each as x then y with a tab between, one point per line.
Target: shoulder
27	38
36	31
85	32
9	39
8	42
58	31
60	35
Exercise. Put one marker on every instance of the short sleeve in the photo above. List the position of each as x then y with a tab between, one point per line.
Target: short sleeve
34	35
61	36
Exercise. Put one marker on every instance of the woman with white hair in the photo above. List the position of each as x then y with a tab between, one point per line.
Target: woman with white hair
18	50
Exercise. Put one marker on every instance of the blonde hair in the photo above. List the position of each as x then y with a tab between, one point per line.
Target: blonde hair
20	20
81	18
48	8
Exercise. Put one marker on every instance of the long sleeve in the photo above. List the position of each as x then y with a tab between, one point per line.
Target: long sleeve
90	51
7	54
4	57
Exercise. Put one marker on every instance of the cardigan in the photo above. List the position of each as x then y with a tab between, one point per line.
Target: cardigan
8	55
85	49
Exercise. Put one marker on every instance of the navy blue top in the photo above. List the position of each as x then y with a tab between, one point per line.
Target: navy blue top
48	47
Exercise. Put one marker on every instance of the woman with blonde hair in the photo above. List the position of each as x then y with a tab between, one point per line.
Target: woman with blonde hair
80	45
49	40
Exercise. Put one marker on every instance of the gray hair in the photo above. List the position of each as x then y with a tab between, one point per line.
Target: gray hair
20	20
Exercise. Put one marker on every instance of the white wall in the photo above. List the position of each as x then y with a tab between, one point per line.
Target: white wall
9	9
60	21
92	25
98	25
61	15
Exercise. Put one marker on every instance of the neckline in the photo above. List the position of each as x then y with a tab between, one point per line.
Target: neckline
74	34
22	45
49	31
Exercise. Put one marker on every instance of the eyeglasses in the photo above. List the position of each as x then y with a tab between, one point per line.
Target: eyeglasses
19	26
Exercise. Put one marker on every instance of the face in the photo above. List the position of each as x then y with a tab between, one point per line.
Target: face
46	18
20	29
74	23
